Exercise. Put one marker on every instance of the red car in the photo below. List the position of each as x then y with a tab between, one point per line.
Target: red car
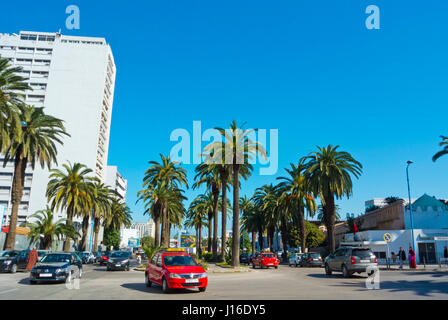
175	269
265	260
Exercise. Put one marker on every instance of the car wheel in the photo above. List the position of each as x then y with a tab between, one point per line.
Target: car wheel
345	272
165	287
14	268
289	264
202	289
327	270
253	265
107	269
147	282
295	264
276	267
127	268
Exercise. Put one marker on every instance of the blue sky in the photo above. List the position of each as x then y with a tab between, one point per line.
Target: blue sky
310	69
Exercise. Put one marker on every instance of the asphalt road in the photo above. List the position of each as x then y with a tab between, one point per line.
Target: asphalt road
283	283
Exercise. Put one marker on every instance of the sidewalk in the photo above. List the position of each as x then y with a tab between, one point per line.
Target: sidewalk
213	268
428	267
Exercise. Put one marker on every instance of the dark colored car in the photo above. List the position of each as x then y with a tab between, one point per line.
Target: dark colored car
311	259
119	260
244	258
104	257
61	266
8	261
16	262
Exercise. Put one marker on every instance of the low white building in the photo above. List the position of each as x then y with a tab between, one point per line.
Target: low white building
429	243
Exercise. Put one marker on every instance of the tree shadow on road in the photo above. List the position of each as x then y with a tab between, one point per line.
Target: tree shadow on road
421	288
154	289
335	276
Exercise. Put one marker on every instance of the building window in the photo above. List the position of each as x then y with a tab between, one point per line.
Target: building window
28	37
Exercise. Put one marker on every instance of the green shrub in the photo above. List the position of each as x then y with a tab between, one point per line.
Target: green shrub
207	256
149	251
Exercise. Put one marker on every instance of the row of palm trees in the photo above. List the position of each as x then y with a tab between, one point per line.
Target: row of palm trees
324	174
80	194
29	136
163	197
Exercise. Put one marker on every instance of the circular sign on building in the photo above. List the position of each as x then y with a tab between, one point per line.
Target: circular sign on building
387	237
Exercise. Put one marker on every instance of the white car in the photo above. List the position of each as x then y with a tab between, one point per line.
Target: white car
295	259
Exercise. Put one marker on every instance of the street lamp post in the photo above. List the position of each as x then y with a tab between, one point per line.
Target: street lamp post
410	204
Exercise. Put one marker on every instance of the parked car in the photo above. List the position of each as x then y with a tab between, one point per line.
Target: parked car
265	260
104	257
294	260
175	269
19	262
119	260
8	261
61	266
244	258
349	260
311	259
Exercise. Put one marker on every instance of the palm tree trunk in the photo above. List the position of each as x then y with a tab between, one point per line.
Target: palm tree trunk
284	232
68	223
165	240
48	241
215	223
260	238
236	215
329	214
302	229
200	241
157	232
209	240
197	243
85	227
253	241
223	214
271	237
16	198
96	226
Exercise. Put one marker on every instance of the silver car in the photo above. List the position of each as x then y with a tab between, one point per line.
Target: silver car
349	260
295	259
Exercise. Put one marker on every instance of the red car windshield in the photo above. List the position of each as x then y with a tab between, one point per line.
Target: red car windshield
172	261
269	255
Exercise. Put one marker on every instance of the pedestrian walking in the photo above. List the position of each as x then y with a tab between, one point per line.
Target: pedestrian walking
401	257
412	263
394	257
139	258
32	259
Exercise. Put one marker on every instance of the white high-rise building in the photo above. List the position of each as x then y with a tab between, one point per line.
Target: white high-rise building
73	78
145	228
116	181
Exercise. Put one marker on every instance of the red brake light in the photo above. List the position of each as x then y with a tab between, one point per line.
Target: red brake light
309	259
375	260
352	260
